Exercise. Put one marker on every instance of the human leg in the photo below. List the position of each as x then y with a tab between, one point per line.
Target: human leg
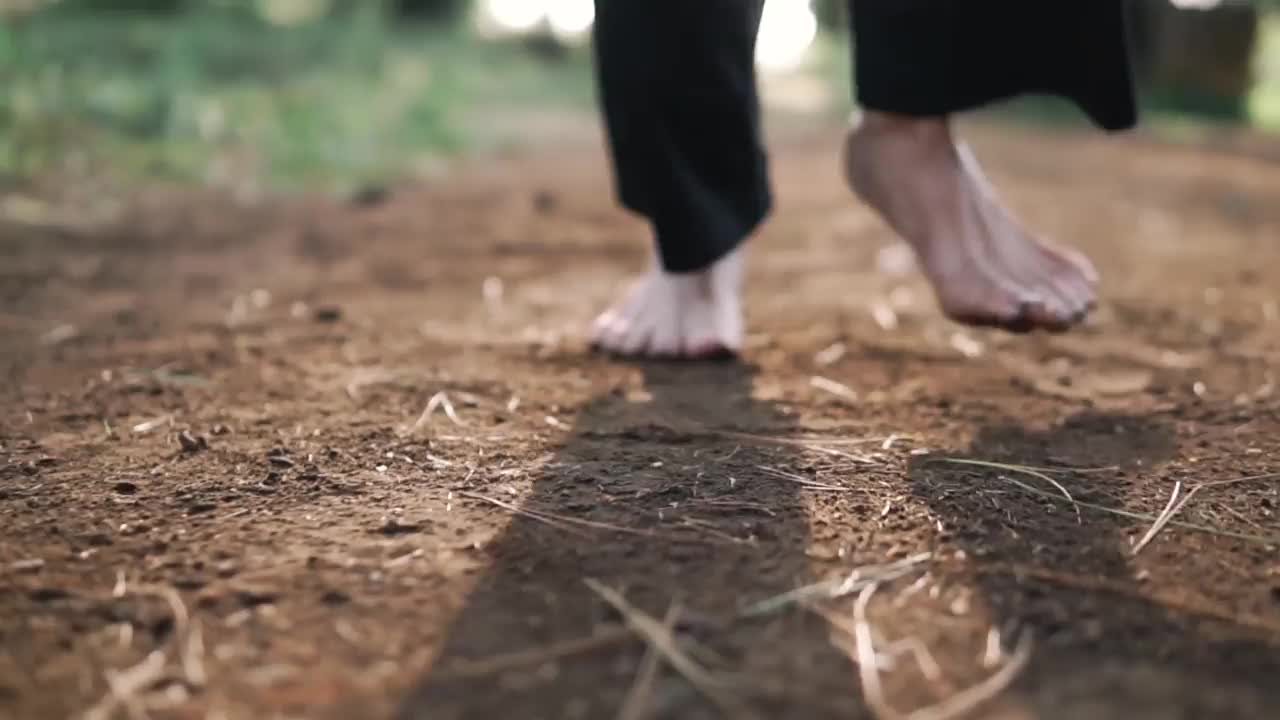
677	87
917	63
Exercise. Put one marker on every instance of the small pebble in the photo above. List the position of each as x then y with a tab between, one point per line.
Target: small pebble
370	196
328	314
191	443
544	201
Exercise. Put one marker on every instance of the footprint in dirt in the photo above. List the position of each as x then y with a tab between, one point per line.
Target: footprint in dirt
713	532
1109	645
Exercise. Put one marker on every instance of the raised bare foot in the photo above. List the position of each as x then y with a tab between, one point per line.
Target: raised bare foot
985	267
686	316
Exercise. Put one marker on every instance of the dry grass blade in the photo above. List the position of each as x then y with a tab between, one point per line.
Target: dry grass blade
123	687
920	652
1234	481
855	581
636	705
661	640
187	635
1019	469
1170	509
548	519
149	425
174	600
967	700
812	445
1179	603
840	390
820	443
888	655
367	377
1078	504
862	459
1260	539
524	658
958	705
801	480
438	401
865	656
193	657
566	523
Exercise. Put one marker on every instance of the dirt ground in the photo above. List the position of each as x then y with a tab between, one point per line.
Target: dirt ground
320	459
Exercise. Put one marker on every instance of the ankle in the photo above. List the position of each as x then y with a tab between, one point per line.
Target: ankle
929	130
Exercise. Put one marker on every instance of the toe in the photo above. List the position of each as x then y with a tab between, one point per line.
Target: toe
601	327
1076	260
1042	315
704	333
665	341
635	341
709	350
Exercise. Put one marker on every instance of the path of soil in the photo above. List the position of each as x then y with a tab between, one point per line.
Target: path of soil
222	497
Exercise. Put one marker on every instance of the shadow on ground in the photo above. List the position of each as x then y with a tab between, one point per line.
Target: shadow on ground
631	460
1103	651
534	636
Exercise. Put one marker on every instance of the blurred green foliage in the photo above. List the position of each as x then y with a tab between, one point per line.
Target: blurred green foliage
343	92
193	90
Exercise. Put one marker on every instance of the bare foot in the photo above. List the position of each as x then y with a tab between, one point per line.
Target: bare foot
686	316
985	267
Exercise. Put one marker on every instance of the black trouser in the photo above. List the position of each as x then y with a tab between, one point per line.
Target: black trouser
677	85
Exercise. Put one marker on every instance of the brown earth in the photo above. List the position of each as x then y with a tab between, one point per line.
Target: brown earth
316	547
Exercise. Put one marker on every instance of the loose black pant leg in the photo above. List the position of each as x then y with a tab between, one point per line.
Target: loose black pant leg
933	57
677	86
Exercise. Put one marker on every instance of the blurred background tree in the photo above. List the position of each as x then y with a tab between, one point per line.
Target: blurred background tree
1197	56
337	92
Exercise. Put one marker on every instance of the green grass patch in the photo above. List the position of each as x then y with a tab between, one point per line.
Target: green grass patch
204	94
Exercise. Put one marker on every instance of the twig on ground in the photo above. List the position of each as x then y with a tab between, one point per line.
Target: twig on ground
661	640
636	705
